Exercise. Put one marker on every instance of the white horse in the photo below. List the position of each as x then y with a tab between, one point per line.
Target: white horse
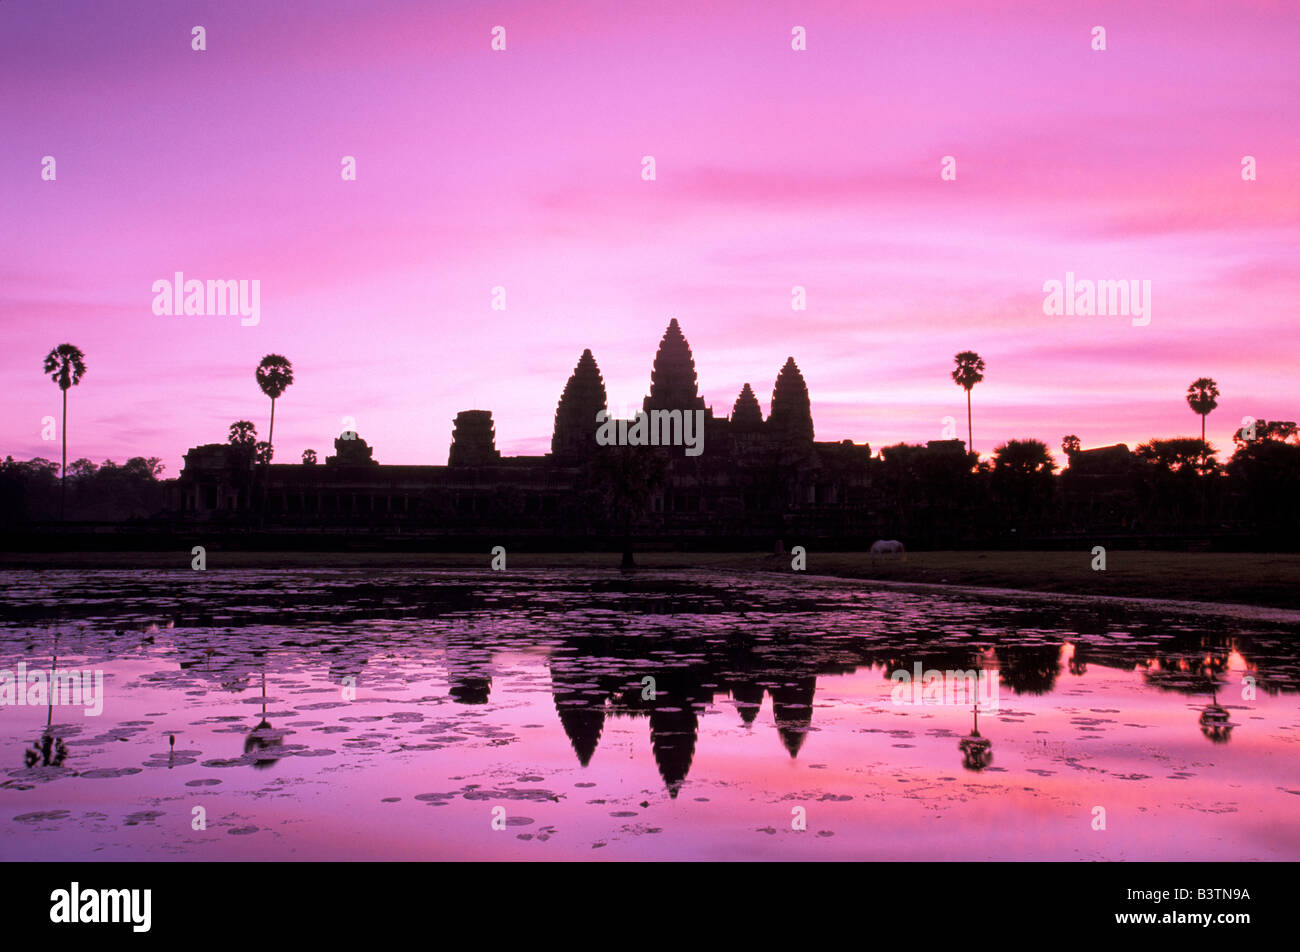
887	547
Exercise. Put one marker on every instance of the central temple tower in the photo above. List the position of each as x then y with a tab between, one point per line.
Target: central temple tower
673	383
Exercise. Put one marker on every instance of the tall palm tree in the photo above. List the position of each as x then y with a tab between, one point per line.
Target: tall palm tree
66	365
970	371
274	375
1202	397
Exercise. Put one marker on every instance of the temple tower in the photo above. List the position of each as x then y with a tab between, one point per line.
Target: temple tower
473	439
575	416
672	381
791	417
747	415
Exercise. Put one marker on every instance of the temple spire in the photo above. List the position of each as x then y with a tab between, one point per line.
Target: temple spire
791	416
673	383
747	414
575	416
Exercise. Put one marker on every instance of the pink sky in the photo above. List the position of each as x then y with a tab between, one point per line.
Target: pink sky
522	169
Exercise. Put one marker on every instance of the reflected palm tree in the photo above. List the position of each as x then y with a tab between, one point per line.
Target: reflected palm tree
49	751
263	737
976	750
1215	722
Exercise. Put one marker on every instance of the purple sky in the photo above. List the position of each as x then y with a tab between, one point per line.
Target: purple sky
522	169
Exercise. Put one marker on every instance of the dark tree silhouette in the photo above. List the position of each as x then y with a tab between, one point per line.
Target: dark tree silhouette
1284	431
274	375
1267	469
309	457
243	440
66	365
1175	455
970	371
243	434
1203	397
1173	479
1022	479
1070	445
622	479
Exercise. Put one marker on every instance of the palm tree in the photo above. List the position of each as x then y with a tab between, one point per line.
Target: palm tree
970	371
309	457
66	365
1202	397
274	375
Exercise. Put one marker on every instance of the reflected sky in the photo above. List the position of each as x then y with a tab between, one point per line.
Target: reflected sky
364	715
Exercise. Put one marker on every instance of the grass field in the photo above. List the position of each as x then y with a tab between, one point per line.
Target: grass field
1266	580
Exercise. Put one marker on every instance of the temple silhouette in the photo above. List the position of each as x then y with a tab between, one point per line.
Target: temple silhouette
756	478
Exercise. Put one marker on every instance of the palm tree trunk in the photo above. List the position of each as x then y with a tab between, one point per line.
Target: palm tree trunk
63	469
1202	427
266	467
970	437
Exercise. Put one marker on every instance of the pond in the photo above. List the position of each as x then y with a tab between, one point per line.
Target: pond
409	714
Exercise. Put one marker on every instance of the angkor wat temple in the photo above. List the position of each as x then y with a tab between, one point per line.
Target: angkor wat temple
757	480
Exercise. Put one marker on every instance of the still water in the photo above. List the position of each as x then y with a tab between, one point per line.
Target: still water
408	714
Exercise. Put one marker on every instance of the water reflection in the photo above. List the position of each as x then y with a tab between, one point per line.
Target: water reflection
1215	723
678	659
976	751
48	751
263	738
